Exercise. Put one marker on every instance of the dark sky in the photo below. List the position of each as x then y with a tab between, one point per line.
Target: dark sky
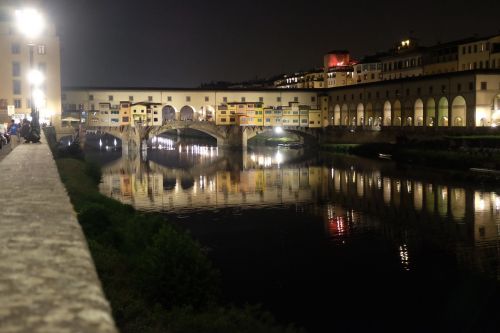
183	43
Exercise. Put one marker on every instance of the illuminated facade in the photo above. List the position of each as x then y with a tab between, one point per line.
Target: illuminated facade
14	66
479	53
405	60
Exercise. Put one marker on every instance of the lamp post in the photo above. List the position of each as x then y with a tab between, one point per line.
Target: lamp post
30	23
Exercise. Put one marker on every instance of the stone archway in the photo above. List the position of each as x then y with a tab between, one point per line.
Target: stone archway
397	114
352	115
336	115
431	113
187	113
168	113
387	114
495	115
458	112
408	114
360	114
344	115
419	113
443	112
209	113
369	121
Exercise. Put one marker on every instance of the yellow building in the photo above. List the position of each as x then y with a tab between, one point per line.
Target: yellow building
273	117
314	118
479	53
146	113
125	113
291	115
240	113
225	116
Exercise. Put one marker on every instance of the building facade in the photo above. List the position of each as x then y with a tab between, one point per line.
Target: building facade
15	90
463	99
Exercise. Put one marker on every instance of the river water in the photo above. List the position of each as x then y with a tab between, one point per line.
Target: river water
331	243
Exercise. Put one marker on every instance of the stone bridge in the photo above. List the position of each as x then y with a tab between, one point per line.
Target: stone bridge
133	137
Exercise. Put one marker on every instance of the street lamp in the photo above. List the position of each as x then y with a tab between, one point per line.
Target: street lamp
30	23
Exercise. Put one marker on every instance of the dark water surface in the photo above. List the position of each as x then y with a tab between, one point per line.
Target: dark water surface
330	243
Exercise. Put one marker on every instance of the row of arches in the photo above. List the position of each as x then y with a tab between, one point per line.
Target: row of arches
407	114
187	112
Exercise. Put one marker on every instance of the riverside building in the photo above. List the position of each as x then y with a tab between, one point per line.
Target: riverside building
15	91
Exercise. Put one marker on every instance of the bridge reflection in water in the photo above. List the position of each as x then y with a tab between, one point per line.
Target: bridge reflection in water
351	194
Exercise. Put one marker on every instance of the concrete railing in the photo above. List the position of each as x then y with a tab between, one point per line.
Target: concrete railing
48	282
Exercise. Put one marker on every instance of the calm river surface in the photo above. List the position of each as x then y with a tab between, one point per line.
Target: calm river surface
330	243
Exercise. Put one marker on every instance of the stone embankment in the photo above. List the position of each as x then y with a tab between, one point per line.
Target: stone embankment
48	282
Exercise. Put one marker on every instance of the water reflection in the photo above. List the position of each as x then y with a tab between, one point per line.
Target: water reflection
352	197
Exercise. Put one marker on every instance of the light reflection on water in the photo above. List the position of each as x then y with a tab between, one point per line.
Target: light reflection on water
354	201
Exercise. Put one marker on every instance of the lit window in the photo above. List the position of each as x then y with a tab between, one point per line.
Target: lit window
41	49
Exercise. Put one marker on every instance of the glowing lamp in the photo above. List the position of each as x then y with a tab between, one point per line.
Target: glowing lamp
29	22
36	77
278	130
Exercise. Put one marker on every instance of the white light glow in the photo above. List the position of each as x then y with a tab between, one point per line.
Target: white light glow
36	77
278	130
39	98
30	22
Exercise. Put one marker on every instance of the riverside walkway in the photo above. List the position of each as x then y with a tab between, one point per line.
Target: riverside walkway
48	282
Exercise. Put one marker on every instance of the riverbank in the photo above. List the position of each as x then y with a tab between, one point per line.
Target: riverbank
156	277
459	154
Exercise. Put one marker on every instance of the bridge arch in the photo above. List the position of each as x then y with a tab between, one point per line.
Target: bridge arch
443	112
387	113
360	110
207	113
459	112
431	112
168	113
419	112
187	113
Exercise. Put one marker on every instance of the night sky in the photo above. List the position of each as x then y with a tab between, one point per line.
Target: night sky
183	43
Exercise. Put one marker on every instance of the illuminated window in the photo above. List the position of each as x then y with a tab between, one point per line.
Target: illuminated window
17	103
41	49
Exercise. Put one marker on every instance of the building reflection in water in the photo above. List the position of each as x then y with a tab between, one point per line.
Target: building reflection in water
350	194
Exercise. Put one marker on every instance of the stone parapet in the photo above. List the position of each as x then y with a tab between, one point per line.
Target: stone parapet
48	282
